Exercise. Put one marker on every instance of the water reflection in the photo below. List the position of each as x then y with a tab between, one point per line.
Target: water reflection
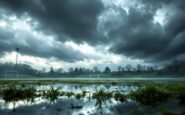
70	99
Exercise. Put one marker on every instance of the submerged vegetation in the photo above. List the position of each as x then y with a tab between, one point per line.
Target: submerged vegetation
120	97
51	94
101	97
12	93
153	94
69	94
150	95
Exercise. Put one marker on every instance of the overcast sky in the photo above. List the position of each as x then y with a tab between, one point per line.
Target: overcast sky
87	33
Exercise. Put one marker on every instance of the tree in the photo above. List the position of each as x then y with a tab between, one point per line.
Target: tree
51	70
119	68
128	67
76	70
107	70
70	70
122	69
60	70
139	68
150	68
95	69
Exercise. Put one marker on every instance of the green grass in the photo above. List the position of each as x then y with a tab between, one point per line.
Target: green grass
51	94
120	97
78	96
102	95
150	95
12	93
69	94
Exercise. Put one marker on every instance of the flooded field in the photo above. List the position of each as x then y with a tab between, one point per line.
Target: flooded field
40	98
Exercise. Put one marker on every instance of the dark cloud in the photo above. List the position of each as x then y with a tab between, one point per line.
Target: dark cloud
144	39
75	18
133	34
66	19
36	46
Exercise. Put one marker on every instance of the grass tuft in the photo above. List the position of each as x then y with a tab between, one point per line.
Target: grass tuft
150	95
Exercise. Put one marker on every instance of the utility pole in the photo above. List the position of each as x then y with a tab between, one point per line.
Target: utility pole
16	70
17	51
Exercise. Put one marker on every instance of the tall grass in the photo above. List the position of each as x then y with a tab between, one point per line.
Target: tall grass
13	93
120	97
150	95
52	94
101	97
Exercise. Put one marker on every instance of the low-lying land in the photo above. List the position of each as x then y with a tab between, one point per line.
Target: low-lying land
114	97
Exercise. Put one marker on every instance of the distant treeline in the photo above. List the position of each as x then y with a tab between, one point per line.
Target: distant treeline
176	67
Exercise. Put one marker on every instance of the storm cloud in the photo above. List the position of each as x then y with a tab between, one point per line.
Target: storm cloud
142	37
73	18
153	31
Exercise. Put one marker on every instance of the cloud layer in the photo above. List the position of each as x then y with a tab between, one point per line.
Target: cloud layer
153	31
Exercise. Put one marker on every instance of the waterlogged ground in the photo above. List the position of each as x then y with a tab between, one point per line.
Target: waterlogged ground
91	99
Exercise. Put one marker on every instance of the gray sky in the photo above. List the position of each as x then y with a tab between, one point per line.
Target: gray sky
87	33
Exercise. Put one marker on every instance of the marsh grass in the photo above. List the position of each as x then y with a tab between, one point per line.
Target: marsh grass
114	83
78	96
84	93
150	96
120	97
69	94
52	94
101	97
176	91
81	95
167	112
181	95
12	94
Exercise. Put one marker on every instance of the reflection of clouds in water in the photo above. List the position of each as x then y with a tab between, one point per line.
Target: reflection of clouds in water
86	110
63	104
91	88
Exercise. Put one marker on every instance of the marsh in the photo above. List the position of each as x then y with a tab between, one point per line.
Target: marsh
91	98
